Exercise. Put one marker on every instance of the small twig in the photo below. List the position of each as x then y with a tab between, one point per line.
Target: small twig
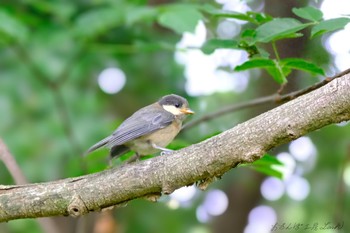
277	99
11	164
274	47
279	91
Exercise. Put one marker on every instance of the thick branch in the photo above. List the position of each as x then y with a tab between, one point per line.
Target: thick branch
200	162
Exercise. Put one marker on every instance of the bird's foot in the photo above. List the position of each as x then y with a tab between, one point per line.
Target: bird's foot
134	158
166	152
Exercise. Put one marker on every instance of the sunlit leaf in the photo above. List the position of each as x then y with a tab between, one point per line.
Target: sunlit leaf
277	29
255	63
140	14
179	18
329	26
231	14
260	17
309	13
301	64
270	171
97	21
210	45
266	165
271	66
267	160
253	17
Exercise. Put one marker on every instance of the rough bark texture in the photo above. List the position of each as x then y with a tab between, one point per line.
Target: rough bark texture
202	162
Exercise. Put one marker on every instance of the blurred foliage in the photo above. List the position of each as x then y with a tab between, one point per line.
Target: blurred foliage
52	110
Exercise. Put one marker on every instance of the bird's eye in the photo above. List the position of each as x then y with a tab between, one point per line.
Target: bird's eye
177	105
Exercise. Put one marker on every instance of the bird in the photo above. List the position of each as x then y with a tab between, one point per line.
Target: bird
148	130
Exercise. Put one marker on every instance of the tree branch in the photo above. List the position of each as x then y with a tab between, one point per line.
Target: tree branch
202	162
11	164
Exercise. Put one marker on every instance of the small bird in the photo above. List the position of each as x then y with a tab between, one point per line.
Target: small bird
149	129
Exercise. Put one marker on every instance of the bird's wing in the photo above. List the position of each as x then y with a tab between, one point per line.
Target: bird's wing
139	124
98	145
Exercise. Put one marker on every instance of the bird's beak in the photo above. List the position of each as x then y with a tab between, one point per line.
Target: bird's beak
186	111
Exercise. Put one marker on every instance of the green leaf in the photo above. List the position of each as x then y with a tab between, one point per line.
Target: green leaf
232	15
227	14
301	64
267	160
309	13
62	10
270	171
277	29
275	69
252	17
248	33
140	14
278	74
11	28
210	45
179	18
329	26
259	17
256	63
267	165
97	21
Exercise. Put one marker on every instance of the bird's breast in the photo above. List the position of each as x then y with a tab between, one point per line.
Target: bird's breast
161	138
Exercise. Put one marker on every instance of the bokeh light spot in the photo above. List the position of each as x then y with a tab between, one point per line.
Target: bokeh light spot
272	188
261	219
288	167
298	188
202	215
335	8
173	204
184	194
346	175
111	80
228	29
216	202
202	71
302	149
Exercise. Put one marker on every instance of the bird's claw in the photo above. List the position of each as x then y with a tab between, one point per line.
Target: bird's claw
166	152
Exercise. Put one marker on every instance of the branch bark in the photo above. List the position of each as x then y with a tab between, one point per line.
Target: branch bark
201	162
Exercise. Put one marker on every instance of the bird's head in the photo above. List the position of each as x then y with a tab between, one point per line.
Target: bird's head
176	105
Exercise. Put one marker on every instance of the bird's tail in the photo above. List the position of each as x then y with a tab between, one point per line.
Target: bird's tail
98	145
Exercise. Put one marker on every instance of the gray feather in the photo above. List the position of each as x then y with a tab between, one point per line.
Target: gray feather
141	123
98	145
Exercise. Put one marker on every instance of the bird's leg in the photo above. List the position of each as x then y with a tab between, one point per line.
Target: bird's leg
138	157
164	151
134	158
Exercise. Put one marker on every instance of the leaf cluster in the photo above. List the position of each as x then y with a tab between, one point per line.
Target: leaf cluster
268	30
